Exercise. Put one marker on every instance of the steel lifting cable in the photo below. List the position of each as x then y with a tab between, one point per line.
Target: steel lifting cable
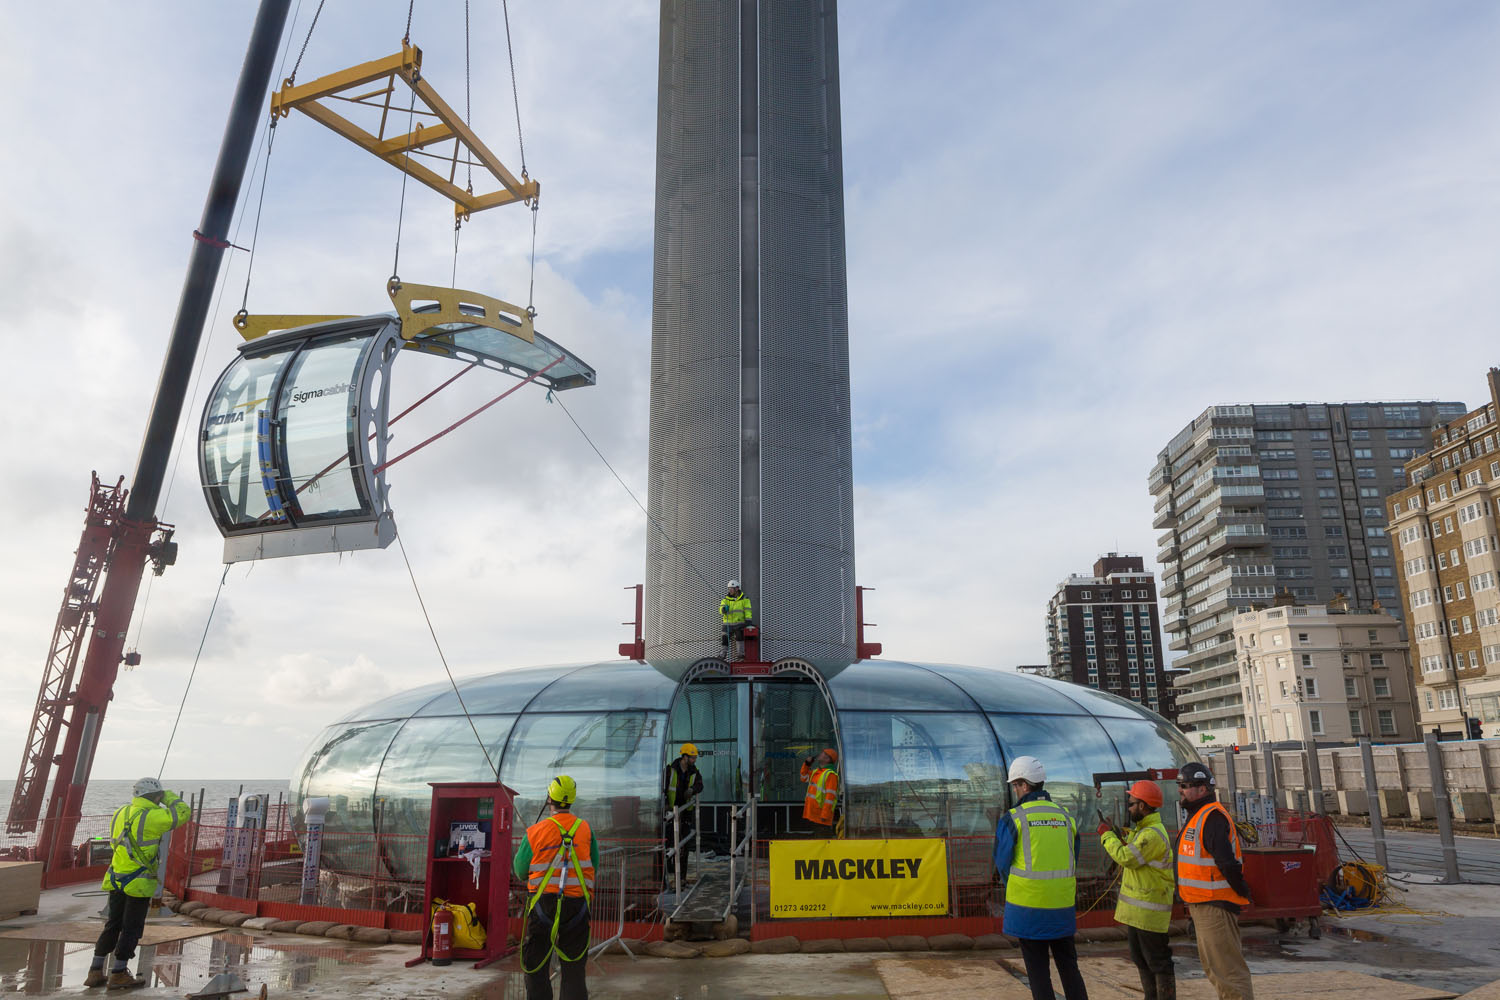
458	221
552	398
428	618
192	673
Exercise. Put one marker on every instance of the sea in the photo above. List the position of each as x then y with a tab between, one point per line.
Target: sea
105	796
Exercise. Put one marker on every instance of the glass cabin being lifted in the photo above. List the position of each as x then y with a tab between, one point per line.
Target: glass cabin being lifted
293	437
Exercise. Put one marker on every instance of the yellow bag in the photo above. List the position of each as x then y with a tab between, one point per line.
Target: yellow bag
468	932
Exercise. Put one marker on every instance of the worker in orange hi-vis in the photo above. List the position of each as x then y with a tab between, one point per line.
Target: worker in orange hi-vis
822	779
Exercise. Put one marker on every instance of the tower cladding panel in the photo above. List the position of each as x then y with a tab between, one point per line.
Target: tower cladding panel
749	470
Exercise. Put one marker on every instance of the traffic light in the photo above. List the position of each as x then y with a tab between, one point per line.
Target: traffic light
1476	732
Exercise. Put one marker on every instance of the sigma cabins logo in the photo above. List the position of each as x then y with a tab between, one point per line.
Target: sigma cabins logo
305	395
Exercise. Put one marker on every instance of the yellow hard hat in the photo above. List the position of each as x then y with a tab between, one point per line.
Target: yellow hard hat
562	790
688	750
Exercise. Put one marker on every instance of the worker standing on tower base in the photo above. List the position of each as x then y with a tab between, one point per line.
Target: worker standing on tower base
1036	854
822	777
135	833
735	610
1144	903
556	859
1211	883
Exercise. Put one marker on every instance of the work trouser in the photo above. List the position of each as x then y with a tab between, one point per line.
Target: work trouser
1151	951
689	844
1034	953
572	941
124	922
1218	933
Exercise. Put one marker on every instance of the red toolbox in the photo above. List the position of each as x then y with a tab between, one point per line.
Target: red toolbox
1283	886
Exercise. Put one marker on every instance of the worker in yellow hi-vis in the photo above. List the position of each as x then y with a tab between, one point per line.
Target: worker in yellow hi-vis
735	610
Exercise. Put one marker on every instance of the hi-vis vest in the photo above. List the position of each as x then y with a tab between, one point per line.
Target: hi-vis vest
1041	871
822	794
735	609
1199	880
572	874
136	832
1145	896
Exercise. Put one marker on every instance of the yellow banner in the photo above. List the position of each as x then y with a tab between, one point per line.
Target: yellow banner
859	878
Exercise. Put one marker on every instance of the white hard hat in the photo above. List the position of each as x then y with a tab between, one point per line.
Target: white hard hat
146	786
733	585
1027	769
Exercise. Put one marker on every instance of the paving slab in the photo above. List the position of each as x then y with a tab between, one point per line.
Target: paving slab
87	932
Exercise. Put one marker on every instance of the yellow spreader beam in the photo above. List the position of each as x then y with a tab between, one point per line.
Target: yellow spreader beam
318	99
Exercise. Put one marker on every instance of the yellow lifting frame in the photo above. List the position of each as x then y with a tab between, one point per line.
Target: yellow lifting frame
453	305
396	150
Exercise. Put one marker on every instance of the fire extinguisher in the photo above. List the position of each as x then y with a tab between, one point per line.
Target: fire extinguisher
442	936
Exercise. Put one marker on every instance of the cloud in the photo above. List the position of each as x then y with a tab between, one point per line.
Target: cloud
1069	231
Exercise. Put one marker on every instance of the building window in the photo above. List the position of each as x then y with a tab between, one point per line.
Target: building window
1447	698
1323	473
1386	719
1310	687
1315	722
1382	686
1364	473
1356	723
1377	659
1428	695
1351	689
1307	659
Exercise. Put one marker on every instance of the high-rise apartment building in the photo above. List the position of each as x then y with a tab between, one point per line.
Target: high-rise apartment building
1444	526
1103	631
1258	498
1325	672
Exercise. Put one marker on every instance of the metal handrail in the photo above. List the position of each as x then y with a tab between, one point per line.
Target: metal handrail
675	851
736	843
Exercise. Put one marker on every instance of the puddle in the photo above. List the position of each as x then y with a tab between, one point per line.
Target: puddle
47	968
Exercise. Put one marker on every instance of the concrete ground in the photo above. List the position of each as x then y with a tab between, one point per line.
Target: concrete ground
1444	937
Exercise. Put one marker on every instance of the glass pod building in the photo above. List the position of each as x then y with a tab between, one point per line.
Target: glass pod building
924	749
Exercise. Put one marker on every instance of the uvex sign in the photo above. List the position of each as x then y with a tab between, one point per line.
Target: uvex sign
859	878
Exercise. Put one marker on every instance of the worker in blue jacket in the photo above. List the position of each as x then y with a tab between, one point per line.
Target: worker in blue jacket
1036	853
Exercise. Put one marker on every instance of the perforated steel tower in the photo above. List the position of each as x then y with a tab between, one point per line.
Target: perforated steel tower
749	467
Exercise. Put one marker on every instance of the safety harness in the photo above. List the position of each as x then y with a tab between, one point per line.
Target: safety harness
135	846
566	852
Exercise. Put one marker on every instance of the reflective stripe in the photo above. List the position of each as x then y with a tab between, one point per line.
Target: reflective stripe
1140	858
1145	904
1039	876
1198	883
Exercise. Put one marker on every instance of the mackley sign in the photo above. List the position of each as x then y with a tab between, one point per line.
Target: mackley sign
859	878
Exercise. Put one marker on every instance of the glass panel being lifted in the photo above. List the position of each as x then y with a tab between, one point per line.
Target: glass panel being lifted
293	440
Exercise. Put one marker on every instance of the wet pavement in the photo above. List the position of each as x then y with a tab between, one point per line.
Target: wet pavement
1445	937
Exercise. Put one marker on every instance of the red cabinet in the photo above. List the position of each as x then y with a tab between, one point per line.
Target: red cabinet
466	816
1284	886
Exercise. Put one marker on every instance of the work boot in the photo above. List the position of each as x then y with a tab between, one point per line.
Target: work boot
96	977
1166	986
123	980
1148	983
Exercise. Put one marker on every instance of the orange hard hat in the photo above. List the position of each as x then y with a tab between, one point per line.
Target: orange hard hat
1148	792
833	754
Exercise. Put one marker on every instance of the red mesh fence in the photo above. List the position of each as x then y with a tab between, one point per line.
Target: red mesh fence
1301	829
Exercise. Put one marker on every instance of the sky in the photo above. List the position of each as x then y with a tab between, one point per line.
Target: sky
1070	229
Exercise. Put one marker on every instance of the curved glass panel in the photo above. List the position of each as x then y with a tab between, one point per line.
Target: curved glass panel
1144	744
318	410
1072	749
615	757
1005	691
232	468
921	774
1102	703
617	685
440	749
568	373
343	764
873	684
507	691
398	706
